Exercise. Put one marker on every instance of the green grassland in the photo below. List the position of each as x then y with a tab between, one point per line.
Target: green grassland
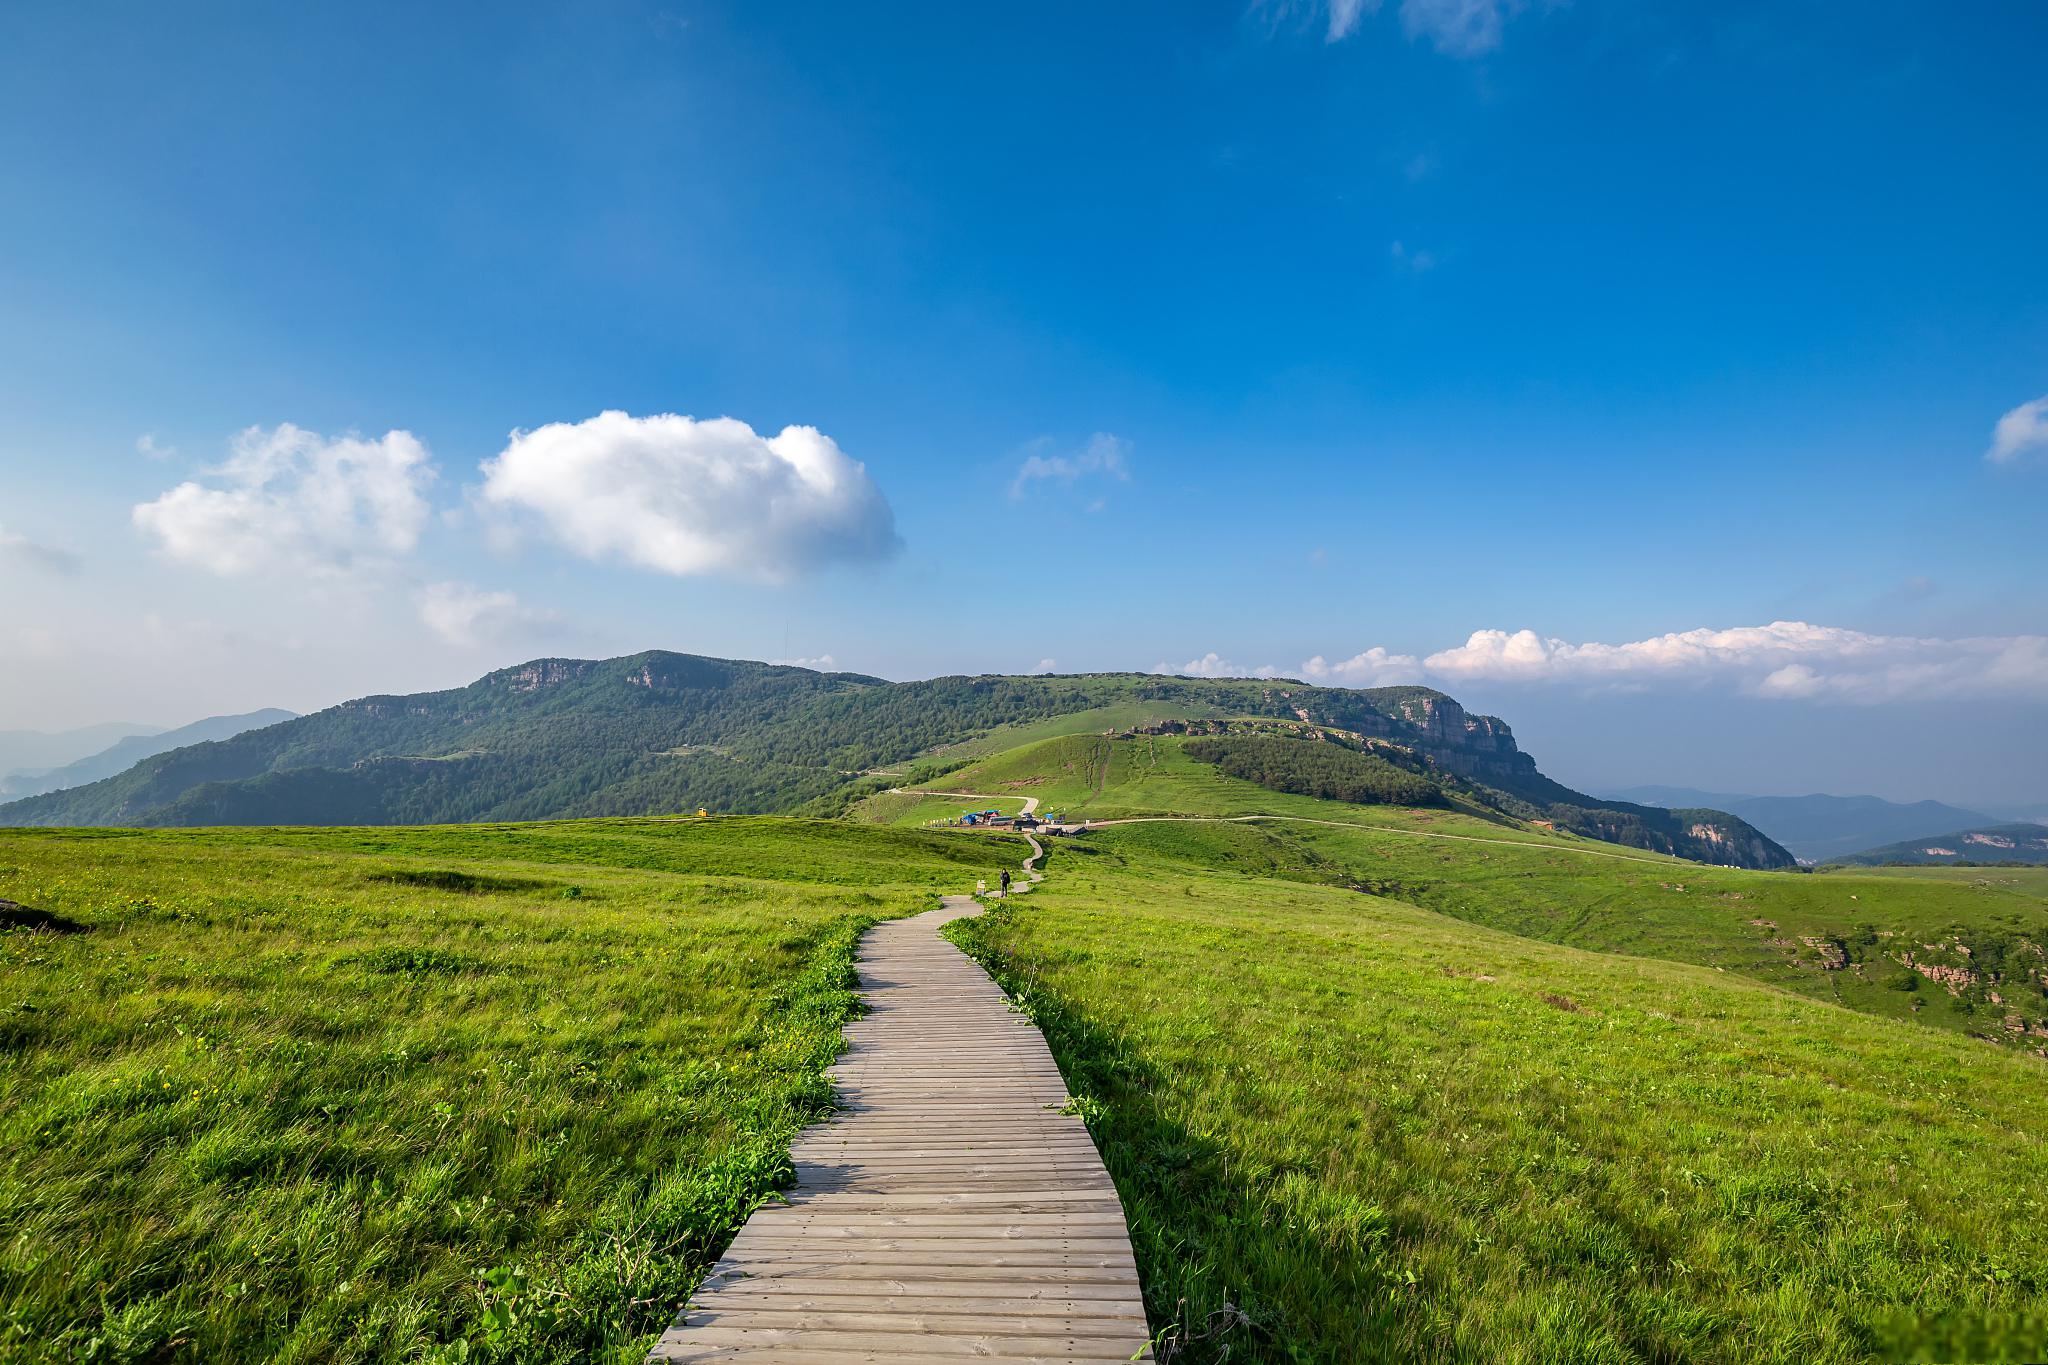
1836	937
1376	1083
473	1093
1349	1129
1989	881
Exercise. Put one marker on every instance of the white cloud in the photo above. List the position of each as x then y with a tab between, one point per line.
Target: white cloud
688	497
16	548
1105	456
1373	668
1214	665
1790	660
464	614
1783	659
2023	430
1524	655
148	449
1046	666
818	663
290	499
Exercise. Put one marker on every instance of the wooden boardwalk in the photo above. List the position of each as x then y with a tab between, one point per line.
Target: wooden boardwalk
951	1212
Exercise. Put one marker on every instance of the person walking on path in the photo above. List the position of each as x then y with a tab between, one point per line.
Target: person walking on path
1006	883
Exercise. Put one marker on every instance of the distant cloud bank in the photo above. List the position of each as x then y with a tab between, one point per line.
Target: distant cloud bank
686	497
1783	660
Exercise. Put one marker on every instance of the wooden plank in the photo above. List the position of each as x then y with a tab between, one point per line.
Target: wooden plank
949	1211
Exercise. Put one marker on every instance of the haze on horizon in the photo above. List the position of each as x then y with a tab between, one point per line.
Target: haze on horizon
1672	384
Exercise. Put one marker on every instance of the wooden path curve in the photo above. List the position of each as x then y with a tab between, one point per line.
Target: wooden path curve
949	1212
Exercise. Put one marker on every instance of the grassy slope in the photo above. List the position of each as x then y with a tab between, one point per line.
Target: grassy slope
272	1105
1384	1134
1774	927
1103	778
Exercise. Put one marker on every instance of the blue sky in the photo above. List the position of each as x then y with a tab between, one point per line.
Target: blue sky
1259	332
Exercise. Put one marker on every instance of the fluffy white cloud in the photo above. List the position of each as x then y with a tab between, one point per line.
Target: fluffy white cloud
1783	660
1214	665
292	499
1046	666
464	614
1105	456
2019	432
688	497
1524	655
818	663
16	548
1373	668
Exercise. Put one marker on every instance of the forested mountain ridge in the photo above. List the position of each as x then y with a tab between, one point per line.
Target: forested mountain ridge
659	732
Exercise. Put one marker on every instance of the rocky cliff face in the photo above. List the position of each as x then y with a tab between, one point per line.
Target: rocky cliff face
1479	748
1728	840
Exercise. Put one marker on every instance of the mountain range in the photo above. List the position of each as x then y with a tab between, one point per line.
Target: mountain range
1820	828
25	752
2009	843
126	752
661	732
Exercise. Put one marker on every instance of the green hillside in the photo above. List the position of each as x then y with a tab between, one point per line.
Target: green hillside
1347	1128
1979	844
657	733
1107	776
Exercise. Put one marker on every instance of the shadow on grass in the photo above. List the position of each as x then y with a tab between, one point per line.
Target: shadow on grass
23	917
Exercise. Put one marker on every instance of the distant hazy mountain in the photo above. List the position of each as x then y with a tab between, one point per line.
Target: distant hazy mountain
131	750
659	732
1984	844
38	751
1820	828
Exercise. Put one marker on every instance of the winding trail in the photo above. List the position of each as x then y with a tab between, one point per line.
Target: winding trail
952	1211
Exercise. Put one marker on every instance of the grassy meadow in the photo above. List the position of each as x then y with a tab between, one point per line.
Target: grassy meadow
1098	777
461	1094
1349	1129
1376	1084
1835	937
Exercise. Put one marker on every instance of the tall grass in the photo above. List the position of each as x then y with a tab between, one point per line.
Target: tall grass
1347	1129
436	1095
